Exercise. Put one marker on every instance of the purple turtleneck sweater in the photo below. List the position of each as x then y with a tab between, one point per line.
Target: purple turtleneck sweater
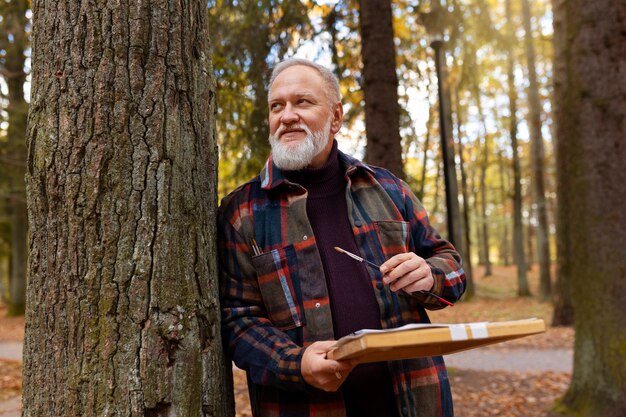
367	390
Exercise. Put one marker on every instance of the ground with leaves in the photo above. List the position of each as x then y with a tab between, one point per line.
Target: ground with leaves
476	393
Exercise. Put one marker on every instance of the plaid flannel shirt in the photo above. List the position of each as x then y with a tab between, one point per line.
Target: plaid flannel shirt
276	303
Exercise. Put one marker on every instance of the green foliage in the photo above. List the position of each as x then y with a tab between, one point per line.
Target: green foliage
248	38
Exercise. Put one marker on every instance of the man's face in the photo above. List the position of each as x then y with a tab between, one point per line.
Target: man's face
302	121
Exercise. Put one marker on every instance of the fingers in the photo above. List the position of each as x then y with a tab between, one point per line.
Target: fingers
407	272
410	284
323	373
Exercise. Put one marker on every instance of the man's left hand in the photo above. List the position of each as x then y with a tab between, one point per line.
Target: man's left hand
407	272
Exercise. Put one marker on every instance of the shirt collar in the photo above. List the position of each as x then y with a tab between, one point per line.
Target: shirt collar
271	176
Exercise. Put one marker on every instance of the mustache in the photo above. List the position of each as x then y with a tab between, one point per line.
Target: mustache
298	126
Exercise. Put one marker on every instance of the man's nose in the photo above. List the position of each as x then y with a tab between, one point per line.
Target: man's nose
289	115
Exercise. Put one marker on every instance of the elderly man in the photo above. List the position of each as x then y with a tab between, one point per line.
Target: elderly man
286	294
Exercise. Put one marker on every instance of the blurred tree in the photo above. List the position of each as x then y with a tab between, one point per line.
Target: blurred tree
466	252
503	250
510	41
13	44
341	23
380	86
590	110
484	249
123	311
537	157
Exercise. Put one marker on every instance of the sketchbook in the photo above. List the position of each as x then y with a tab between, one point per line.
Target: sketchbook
418	340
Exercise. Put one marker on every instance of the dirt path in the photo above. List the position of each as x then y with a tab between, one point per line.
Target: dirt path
11	407
487	359
513	360
11	351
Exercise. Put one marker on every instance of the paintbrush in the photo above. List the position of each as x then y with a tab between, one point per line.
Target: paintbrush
373	265
358	258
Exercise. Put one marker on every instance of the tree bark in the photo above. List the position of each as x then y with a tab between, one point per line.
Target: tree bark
563	313
122	310
590	109
537	157
380	86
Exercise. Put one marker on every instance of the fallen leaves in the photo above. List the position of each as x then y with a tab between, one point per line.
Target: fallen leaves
476	393
506	394
10	379
11	328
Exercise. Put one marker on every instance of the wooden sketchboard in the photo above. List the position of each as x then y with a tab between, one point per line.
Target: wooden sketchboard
430	339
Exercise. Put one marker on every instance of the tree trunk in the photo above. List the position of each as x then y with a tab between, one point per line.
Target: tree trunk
122	309
380	86
563	313
19	250
466	253
537	156
504	249
453	210
523	290
14	43
429	126
484	165
590	109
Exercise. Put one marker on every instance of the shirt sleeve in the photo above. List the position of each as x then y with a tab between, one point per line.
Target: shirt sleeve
256	345
441	255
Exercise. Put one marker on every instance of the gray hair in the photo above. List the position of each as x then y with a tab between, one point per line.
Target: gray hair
330	79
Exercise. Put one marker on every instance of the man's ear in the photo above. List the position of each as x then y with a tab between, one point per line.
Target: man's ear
337	122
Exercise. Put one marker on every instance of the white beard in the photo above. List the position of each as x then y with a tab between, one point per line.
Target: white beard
296	157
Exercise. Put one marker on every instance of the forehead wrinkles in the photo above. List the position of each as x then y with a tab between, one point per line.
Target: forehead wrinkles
277	95
298	81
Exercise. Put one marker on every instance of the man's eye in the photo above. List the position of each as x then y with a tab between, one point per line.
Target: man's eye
275	106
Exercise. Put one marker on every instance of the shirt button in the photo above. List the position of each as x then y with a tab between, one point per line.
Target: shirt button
379	285
405	411
317	305
357	223
305	237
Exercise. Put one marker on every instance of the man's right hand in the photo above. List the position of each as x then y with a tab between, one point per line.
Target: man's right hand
320	372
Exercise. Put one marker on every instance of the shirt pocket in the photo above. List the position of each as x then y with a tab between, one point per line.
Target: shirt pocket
279	285
393	236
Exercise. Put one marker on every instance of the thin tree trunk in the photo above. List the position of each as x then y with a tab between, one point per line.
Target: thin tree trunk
483	210
563	313
590	109
477	217
504	249
537	156
466	254
530	248
438	198
455	233
19	250
331	28
484	165
14	44
519	257
429	126
380	86
123	312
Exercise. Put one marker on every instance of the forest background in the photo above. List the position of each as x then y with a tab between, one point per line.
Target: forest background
494	99
487	79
